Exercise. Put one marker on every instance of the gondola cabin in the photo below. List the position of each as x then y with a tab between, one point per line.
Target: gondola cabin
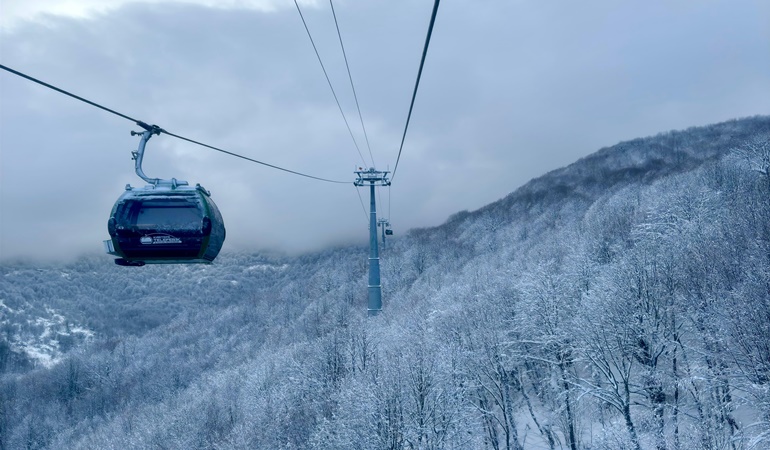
165	224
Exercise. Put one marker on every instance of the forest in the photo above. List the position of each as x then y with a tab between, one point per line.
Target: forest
621	302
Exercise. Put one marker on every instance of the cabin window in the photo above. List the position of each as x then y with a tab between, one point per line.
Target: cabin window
166	214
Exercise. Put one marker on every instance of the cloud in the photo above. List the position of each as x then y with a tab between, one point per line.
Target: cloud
510	91
16	12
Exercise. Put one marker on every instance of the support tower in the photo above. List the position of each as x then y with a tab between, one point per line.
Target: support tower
373	178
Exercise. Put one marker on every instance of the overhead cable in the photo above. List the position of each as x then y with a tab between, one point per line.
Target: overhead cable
147	127
350	77
416	84
49	86
318	55
366	213
254	160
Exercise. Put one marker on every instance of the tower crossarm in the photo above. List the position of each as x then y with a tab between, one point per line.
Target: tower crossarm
371	177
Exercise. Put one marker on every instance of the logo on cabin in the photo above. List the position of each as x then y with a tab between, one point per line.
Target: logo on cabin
159	239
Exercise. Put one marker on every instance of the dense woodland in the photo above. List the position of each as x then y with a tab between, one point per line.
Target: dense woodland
622	302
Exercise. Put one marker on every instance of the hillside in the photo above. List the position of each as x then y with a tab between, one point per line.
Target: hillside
620	302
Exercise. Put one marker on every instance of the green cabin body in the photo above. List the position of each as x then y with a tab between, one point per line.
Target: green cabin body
165	225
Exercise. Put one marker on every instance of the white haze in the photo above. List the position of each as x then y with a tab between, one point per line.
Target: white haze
510	91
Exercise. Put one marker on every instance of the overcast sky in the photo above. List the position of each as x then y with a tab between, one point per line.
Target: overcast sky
511	90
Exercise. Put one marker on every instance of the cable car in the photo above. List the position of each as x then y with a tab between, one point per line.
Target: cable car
388	232
165	222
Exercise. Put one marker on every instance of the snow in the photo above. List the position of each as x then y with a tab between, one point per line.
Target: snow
80	330
6	307
42	354
265	267
39	339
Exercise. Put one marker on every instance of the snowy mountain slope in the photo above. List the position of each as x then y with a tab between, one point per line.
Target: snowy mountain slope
620	302
627	163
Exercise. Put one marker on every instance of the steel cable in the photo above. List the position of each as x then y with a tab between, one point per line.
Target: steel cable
336	99
416	84
350	77
147	127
